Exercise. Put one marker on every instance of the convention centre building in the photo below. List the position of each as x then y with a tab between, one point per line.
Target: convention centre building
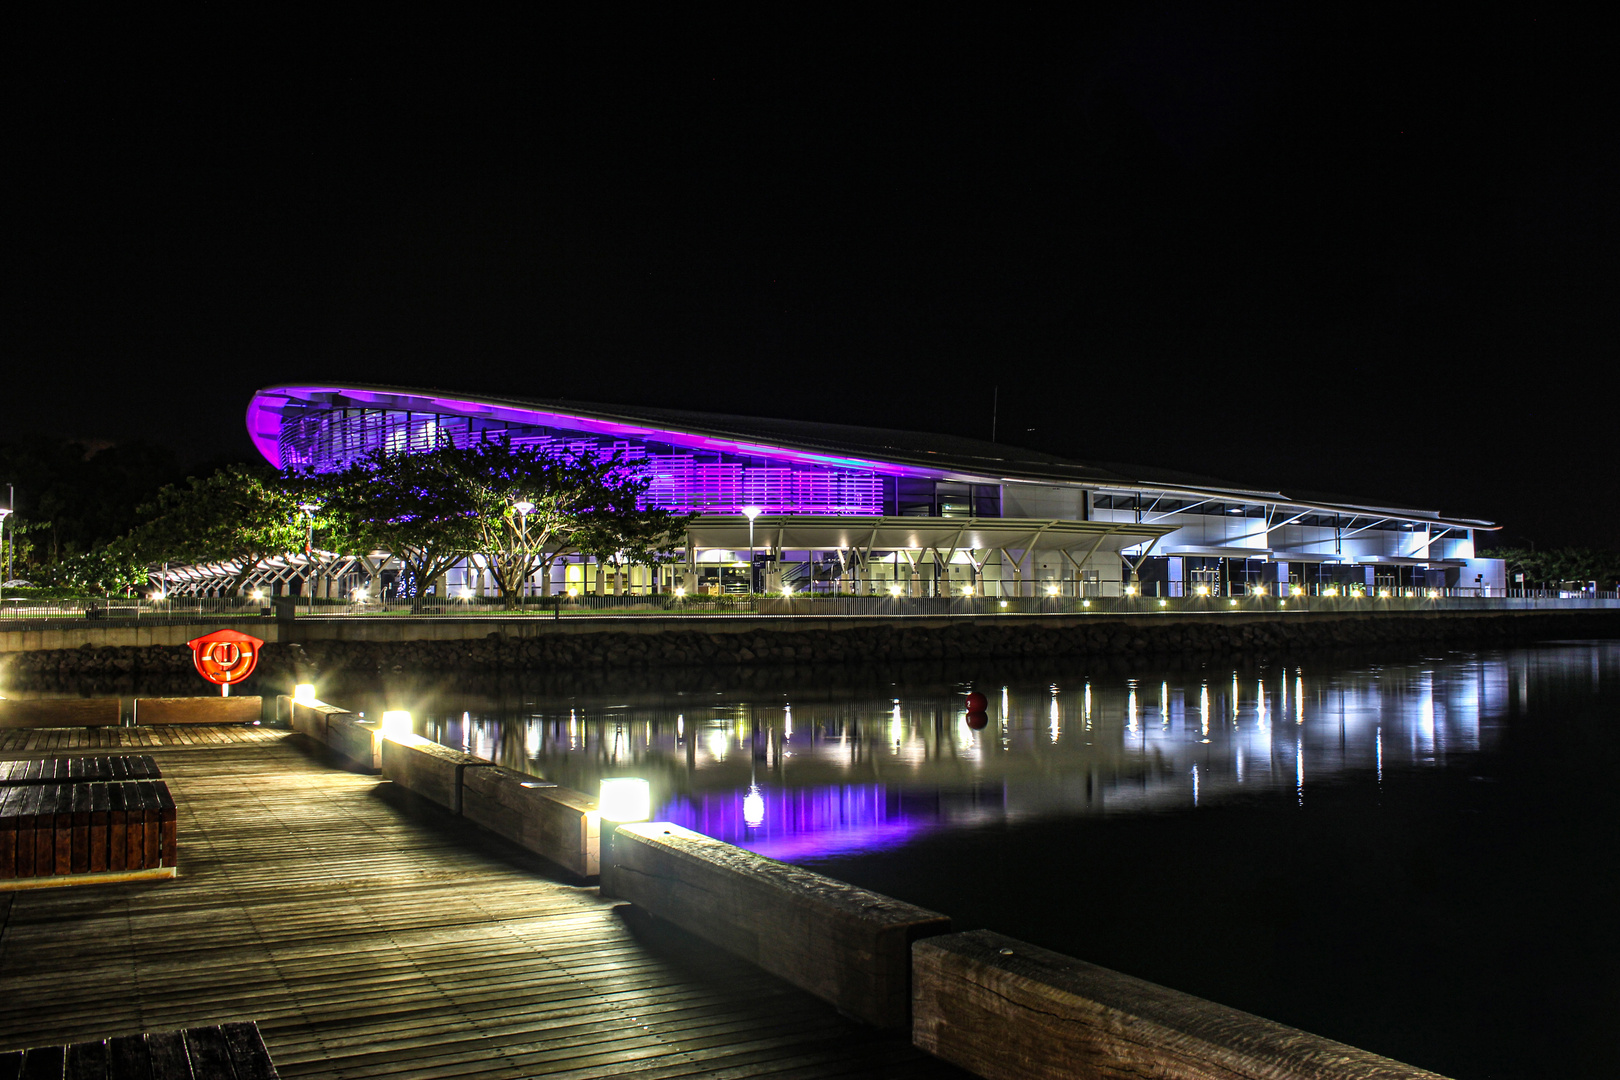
787	505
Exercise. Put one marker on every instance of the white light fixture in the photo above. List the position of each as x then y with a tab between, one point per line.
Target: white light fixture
624	798
1130	590
396	722
787	591
1202	590
894	591
1051	590
680	592
304	693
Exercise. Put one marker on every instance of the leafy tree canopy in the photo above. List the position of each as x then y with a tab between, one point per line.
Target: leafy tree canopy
239	514
1552	567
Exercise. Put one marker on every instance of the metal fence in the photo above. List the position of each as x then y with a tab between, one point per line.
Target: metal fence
196	609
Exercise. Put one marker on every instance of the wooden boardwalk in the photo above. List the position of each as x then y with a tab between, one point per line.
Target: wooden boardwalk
373	936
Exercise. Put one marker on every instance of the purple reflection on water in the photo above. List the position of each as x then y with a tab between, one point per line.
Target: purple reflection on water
807	823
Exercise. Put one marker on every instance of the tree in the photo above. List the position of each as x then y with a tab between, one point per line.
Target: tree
105	571
240	514
1552	567
419	505
622	534
571	502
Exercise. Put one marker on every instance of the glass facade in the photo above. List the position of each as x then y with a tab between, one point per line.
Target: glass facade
682	480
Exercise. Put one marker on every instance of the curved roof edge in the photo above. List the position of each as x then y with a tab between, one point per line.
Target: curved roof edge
887	451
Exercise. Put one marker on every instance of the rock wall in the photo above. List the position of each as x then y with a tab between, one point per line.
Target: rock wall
877	642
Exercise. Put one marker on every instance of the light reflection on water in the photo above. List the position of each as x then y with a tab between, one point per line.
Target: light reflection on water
839	773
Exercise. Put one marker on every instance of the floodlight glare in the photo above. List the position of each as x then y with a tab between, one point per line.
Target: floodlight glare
680	592
304	693
396	722
624	798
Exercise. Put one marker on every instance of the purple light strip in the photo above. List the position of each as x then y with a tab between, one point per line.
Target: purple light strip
805	823
264	426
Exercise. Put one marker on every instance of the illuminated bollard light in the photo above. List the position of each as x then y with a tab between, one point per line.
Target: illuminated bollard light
619	801
396	722
304	693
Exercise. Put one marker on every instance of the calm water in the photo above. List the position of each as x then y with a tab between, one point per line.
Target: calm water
1415	857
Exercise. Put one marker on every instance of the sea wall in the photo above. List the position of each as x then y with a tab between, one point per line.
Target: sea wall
1258	637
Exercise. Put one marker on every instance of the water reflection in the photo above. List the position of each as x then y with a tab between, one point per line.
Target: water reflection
799	774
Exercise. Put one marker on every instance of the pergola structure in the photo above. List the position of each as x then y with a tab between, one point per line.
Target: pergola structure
917	556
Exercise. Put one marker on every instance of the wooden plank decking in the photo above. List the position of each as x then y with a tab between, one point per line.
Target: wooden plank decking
371	936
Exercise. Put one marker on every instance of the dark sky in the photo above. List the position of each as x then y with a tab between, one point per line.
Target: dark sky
1352	253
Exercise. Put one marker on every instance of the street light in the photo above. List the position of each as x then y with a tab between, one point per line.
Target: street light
750	512
4	513
309	509
523	506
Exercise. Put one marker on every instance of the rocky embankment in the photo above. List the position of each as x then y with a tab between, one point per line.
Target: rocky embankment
874	643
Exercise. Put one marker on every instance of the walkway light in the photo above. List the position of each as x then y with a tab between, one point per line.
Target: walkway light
967	590
396	722
1085	603
304	693
894	591
573	591
624	798
1163	603
1202	590
787	592
1130	590
1296	591
1051	590
680	592
464	594
1330	591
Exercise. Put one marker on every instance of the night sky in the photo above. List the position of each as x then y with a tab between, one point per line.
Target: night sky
1343	252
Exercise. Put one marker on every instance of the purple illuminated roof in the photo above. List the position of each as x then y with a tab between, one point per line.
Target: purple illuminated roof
880	451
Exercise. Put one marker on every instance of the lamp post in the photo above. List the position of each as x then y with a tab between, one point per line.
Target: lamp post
309	509
523	506
5	512
750	512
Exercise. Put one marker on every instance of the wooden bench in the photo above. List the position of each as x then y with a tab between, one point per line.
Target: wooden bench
1002	1008
79	769
198	709
51	829
222	1052
846	945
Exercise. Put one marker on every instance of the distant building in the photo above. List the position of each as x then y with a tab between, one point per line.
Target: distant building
875	511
